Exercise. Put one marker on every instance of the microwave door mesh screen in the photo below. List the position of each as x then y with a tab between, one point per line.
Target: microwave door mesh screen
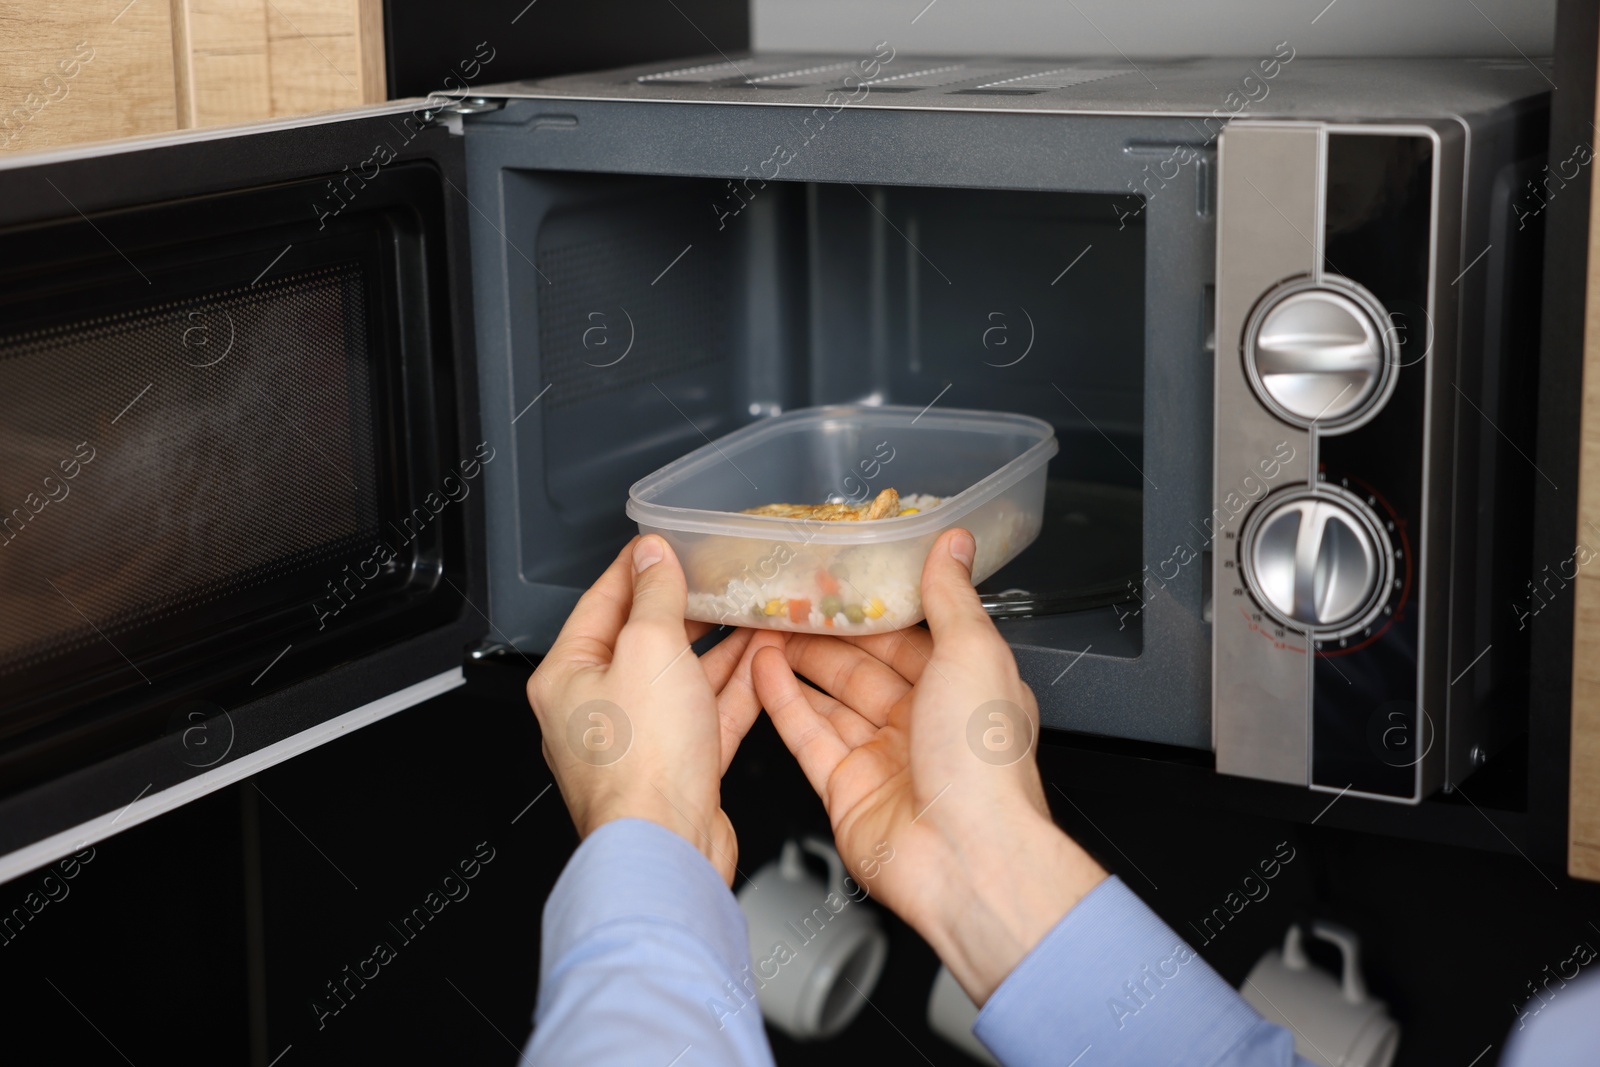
155	461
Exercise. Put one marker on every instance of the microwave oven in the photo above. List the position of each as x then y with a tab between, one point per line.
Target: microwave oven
296	415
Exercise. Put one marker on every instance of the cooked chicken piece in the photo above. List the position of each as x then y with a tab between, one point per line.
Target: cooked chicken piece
885	505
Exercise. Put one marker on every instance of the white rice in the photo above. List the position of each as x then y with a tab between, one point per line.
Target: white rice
889	573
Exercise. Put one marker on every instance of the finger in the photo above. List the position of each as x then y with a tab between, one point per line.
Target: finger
590	632
737	702
907	651
854	728
698	629
815	742
722	659
655	625
850	675
954	612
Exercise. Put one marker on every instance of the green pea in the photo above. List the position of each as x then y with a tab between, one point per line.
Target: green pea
854	613
831	606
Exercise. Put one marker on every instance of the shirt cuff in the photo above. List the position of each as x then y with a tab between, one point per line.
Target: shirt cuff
602	884
1112	976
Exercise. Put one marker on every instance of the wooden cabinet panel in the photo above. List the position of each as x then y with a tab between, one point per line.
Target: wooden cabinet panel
83	71
97	69
1583	803
1583	828
222	61
313	55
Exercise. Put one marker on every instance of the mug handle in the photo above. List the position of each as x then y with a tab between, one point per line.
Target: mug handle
826	852
791	865
1355	990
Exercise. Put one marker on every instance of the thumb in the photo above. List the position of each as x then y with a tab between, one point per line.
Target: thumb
948	596
660	596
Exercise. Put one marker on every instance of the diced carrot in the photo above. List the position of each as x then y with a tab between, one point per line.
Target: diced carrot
828	623
827	582
799	609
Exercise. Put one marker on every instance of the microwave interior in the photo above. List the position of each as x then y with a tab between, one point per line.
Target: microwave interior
640	292
825	293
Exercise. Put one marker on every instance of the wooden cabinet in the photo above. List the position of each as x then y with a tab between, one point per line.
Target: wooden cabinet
1583	826
90	70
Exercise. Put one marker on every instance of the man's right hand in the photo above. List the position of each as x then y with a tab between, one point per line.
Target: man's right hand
921	744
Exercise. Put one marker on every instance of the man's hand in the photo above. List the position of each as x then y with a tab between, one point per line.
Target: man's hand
924	742
635	725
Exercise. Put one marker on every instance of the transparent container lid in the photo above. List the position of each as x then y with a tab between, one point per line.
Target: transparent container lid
850	453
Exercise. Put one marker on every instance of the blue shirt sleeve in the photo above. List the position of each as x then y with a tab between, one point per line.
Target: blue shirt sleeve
643	947
1114	978
1557	1026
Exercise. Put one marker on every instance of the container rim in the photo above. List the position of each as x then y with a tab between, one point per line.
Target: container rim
905	527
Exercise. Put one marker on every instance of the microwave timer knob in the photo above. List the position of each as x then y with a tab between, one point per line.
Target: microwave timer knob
1319	353
1319	560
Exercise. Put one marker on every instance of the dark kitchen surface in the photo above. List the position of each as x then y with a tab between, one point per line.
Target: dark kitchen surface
149	947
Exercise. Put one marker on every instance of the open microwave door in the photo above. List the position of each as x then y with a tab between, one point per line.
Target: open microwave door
240	468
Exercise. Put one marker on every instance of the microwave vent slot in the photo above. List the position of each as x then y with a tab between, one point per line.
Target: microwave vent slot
740	72
599	334
817	74
737	77
700	75
1055	78
930	77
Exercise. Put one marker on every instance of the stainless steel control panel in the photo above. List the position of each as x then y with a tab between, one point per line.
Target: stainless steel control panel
1322	668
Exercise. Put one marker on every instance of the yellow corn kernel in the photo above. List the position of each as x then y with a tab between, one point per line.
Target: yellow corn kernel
909	511
774	607
874	609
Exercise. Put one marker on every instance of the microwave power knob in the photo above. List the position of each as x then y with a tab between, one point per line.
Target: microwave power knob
1319	354
1318	561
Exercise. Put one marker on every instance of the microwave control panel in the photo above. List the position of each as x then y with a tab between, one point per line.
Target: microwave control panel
1328	638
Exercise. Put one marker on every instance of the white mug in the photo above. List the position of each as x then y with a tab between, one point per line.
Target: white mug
816	949
1334	1021
951	1014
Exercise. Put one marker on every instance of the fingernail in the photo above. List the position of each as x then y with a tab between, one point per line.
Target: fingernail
646	554
962	547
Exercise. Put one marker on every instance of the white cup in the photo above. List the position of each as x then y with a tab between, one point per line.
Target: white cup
951	1014
816	949
1334	1022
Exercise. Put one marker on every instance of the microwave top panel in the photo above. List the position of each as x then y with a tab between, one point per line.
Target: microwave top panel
1277	84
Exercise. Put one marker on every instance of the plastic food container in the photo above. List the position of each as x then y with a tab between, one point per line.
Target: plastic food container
813	576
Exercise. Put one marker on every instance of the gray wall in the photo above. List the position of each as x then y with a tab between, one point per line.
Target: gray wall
1158	27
